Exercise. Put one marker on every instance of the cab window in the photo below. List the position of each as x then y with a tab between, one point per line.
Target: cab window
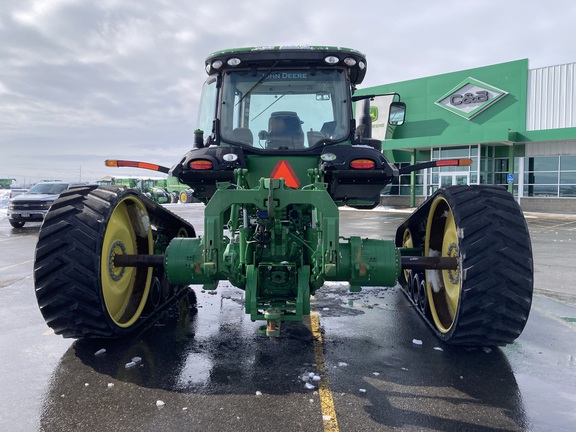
284	109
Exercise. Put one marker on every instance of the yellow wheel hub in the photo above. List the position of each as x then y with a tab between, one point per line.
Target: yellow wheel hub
451	278
443	286
125	289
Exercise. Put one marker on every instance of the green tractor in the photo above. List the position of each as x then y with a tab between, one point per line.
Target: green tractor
162	190
155	188
278	150
6	183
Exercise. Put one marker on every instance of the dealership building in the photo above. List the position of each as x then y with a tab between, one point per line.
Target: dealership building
518	125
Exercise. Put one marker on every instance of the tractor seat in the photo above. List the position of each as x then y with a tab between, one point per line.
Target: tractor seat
284	131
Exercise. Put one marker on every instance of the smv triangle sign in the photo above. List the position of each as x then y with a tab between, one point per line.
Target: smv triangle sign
283	169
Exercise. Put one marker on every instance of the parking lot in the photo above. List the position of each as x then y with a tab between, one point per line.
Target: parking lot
208	370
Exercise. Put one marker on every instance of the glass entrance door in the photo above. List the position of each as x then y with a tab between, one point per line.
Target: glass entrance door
454	178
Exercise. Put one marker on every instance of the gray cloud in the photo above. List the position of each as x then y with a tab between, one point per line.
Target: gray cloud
81	81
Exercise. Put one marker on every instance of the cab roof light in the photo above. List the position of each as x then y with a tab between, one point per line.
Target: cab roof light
331	59
362	164
234	61
200	164
349	61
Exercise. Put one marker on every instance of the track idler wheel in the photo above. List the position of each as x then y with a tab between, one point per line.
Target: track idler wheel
486	300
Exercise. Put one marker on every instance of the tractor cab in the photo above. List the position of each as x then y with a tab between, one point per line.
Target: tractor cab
289	99
294	105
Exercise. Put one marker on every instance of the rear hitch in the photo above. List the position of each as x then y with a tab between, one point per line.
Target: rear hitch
273	319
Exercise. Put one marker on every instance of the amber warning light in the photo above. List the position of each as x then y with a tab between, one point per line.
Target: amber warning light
454	162
135	164
436	163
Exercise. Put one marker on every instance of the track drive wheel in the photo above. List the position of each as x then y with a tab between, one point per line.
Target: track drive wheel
486	301
80	291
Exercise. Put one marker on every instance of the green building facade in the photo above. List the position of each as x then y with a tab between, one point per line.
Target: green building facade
517	125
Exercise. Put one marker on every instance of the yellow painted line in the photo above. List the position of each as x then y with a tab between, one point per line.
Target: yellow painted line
555	318
16	265
326	400
560	225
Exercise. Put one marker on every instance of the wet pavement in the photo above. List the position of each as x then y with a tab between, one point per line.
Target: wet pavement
213	373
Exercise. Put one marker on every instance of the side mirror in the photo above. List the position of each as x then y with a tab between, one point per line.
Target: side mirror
397	113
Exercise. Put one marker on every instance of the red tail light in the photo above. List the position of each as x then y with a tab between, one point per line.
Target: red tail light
362	164
200	164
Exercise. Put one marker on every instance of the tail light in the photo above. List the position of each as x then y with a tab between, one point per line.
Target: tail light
200	164
362	164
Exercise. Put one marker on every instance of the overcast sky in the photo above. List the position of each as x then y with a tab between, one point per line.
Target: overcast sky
82	81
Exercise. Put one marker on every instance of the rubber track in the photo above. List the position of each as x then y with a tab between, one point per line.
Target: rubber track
67	261
496	263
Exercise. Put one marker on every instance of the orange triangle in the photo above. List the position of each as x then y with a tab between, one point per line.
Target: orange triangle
283	169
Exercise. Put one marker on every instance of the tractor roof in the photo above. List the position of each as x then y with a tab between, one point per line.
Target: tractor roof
289	57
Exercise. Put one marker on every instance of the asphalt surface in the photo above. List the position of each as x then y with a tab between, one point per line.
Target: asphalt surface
212	372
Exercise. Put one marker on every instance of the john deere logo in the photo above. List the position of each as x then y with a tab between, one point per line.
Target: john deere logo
373	113
470	98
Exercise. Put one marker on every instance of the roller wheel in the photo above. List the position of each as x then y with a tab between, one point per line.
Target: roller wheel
407	242
155	295
410	285
420	294
79	290
486	301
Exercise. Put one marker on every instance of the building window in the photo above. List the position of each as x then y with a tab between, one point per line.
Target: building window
401	185
567	176
501	171
550	176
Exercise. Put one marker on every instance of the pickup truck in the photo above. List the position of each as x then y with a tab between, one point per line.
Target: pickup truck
33	205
